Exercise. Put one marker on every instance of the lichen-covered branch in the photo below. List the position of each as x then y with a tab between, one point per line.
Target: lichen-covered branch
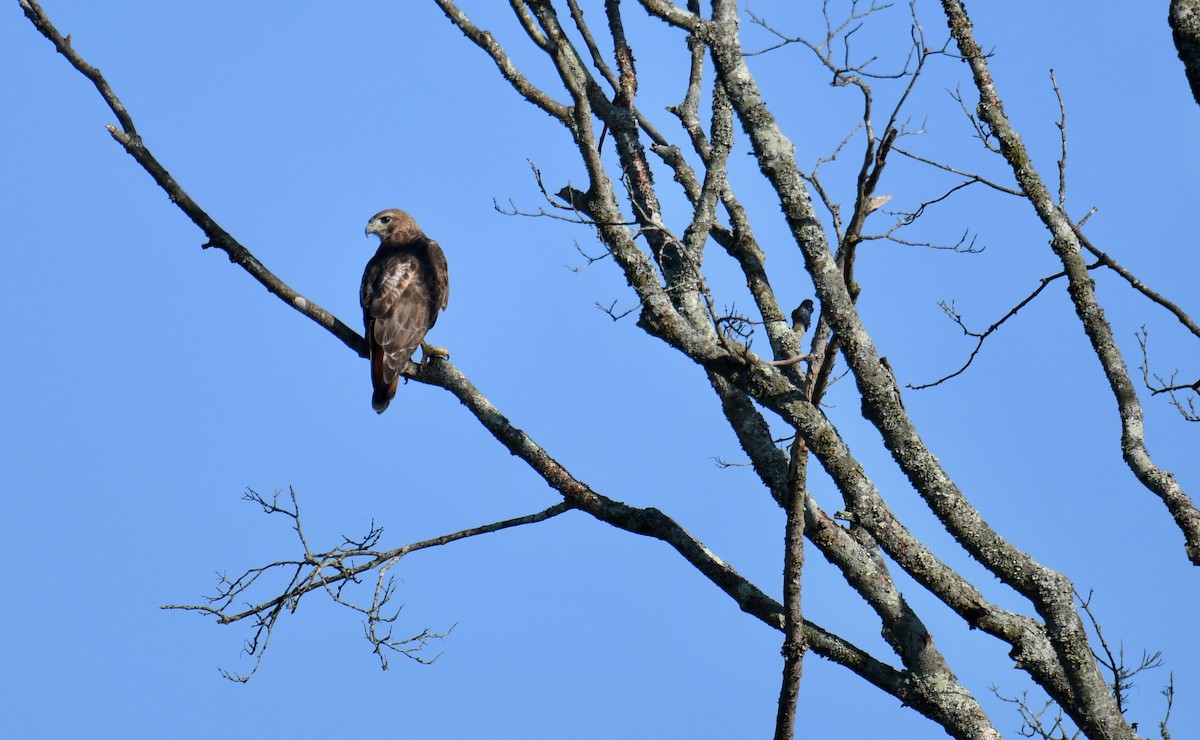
659	235
1184	17
1082	290
311	571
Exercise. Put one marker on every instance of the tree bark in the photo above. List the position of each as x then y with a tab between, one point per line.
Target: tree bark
1184	18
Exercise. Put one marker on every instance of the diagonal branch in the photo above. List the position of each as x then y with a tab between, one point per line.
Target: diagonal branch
331	571
648	522
1094	710
1082	290
128	137
1136	282
652	522
484	40
857	555
970	175
1048	590
981	337
443	374
33	11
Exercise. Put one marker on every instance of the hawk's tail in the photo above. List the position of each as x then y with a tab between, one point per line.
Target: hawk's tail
383	396
383	390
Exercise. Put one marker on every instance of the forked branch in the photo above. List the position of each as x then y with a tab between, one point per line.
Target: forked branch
332	571
1067	245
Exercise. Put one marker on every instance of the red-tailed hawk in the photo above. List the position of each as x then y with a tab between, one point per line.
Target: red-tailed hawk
404	286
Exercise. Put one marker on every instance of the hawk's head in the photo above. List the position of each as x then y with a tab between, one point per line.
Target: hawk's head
393	225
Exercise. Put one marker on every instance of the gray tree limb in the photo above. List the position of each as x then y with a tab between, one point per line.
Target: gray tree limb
1184	17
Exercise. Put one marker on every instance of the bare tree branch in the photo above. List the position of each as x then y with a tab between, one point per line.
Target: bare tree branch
331	571
128	137
981	337
1062	136
1048	721
793	568
484	40
1137	284
971	176
1066	245
1185	406
1184	18
661	247
1114	662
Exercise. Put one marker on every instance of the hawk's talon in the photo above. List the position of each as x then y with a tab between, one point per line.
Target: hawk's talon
428	351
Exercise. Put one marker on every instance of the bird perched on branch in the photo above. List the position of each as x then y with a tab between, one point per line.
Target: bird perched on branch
801	316
404	287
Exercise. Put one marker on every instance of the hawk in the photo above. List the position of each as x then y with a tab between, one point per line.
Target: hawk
404	287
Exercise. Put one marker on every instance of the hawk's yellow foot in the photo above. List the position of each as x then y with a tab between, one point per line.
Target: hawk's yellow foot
428	351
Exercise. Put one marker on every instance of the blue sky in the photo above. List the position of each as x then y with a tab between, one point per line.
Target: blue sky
149	382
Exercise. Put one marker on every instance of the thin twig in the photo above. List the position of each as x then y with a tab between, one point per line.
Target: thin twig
331	571
982	336
1062	135
1137	284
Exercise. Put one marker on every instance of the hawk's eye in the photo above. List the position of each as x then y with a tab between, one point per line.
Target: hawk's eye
386	219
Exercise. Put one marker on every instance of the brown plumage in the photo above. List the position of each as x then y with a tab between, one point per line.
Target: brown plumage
404	287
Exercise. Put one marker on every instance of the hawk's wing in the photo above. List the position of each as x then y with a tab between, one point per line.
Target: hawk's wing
400	302
440	277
